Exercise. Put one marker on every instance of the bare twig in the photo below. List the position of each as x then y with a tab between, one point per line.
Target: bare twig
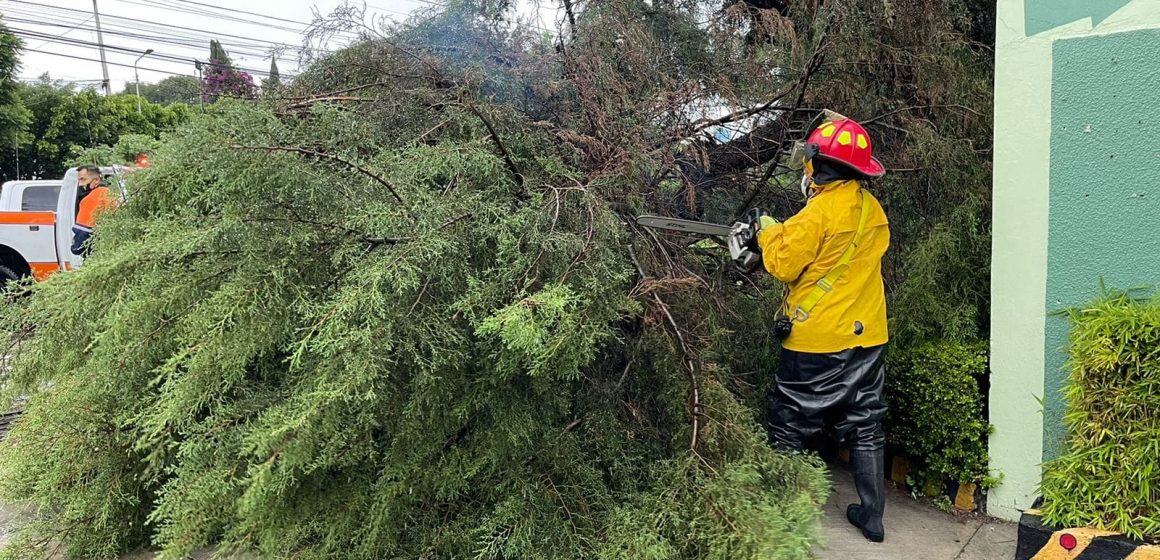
916	107
687	361
313	100
571	15
507	157
701	124
332	157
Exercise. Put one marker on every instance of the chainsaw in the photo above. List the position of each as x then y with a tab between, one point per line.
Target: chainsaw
741	237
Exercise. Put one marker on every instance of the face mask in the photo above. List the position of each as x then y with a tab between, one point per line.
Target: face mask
807	181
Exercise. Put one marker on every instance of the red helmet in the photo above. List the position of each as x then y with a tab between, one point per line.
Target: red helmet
846	142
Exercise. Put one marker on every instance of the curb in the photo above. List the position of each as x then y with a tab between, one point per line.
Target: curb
1040	542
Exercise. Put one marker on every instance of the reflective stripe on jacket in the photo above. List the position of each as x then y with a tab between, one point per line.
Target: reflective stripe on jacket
803	249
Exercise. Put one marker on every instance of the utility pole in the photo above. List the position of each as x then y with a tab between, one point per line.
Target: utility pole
101	44
200	94
136	79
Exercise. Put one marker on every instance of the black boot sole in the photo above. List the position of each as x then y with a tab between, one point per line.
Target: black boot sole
852	512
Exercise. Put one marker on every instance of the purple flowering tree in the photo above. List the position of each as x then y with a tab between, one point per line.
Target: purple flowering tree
221	78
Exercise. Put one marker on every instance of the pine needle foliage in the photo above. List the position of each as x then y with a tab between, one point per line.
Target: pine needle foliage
1108	477
407	325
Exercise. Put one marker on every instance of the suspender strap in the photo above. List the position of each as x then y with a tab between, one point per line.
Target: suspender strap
823	286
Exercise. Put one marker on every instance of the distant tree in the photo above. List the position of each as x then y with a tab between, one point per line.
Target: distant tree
221	78
13	115
174	89
218	54
65	122
274	81
123	152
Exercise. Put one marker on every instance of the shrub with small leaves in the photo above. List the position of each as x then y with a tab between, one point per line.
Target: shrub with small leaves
936	409
1109	478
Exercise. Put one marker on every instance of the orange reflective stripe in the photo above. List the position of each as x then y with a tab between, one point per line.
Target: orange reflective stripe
28	218
43	270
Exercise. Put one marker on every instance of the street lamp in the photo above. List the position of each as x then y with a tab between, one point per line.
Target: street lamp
137	79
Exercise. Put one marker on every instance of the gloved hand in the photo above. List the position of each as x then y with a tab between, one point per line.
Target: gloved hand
765	229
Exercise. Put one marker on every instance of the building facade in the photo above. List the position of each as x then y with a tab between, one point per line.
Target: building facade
1076	204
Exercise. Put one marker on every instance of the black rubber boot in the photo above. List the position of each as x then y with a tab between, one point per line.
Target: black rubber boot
870	480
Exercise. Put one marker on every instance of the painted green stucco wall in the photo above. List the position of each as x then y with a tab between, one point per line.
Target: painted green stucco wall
1038	197
1105	186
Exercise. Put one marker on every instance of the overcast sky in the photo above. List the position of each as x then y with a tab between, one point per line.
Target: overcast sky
178	31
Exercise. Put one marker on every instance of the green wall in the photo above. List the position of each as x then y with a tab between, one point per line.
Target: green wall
1061	65
1104	216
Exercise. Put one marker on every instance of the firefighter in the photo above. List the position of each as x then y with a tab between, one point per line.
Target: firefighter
834	317
93	196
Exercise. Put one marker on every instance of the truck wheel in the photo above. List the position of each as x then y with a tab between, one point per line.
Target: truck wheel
7	275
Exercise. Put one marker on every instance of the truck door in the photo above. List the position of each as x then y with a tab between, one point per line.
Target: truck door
66	211
66	216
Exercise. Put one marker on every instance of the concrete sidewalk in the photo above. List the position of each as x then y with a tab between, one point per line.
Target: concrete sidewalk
913	530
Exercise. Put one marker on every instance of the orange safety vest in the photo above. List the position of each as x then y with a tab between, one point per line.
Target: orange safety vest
97	200
91	205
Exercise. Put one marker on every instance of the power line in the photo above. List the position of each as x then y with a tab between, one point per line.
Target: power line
175	41
157	55
126	18
67	31
208	14
111	63
233	10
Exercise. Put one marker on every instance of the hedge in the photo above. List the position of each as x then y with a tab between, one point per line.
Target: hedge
936	413
1109	477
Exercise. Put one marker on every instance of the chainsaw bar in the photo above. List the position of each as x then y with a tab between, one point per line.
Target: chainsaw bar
686	226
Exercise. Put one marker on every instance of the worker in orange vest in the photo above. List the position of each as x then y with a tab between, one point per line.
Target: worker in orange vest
833	323
93	197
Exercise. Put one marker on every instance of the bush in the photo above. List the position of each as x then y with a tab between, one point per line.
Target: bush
1109	477
936	409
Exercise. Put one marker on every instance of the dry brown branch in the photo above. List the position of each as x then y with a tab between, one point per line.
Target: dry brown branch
688	361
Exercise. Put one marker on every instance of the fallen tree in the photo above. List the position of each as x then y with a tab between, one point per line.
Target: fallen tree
397	308
389	318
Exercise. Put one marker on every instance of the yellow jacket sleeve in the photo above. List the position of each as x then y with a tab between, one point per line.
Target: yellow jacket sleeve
787	249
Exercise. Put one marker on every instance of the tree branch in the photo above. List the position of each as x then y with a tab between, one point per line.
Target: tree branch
507	157
324	155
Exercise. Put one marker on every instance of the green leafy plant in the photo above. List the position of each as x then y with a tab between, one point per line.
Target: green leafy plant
936	410
124	152
1109	477
296	339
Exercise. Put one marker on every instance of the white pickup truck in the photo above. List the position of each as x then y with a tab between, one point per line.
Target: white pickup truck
36	219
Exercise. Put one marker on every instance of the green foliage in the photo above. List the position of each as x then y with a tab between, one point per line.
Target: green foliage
13	115
218	54
124	152
275	354
274	81
1108	477
945	294
936	409
66	122
174	89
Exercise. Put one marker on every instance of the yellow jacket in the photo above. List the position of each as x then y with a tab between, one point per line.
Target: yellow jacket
803	249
